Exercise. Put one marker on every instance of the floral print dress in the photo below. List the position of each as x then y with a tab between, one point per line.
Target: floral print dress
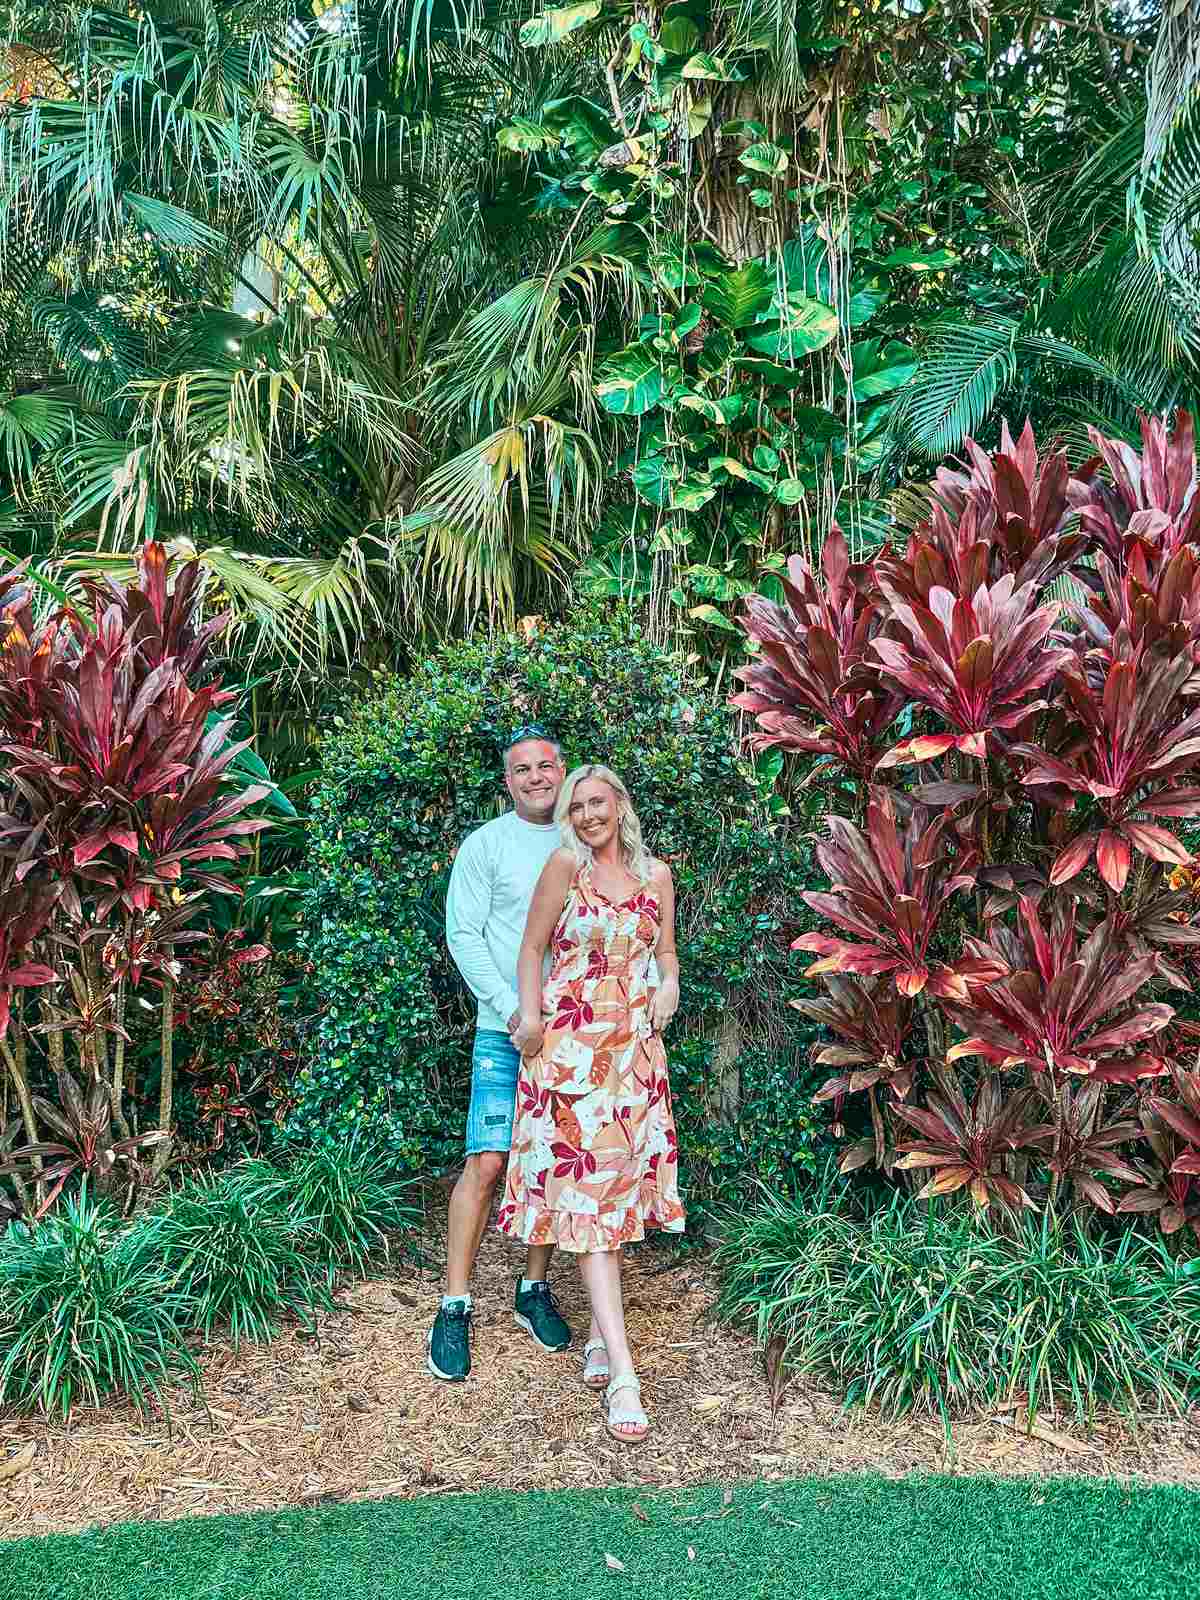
594	1162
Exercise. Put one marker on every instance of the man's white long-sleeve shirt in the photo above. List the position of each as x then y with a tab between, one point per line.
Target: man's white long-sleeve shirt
491	887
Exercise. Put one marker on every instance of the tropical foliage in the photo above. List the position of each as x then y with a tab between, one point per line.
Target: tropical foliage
399	313
125	805
1044	740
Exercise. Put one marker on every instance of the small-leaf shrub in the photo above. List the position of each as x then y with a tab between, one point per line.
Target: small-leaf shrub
775	1135
346	1203
410	771
85	1313
232	1265
916	1308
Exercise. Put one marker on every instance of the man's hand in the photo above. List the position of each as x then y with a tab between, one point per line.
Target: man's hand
664	1005
527	1036
514	1022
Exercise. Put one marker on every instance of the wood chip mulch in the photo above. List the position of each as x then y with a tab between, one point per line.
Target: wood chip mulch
353	1415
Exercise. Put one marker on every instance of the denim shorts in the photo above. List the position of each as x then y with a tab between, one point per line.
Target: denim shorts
495	1063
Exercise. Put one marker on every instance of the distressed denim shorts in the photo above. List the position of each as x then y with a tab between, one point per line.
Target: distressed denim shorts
495	1063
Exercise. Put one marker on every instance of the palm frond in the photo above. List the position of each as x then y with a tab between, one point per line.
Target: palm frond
963	370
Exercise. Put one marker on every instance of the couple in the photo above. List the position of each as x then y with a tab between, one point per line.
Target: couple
563	927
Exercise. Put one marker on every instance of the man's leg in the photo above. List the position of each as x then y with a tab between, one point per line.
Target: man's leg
470	1205
489	1133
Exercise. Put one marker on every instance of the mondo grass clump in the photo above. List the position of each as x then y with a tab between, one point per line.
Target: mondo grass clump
85	1314
913	1308
346	1201
233	1265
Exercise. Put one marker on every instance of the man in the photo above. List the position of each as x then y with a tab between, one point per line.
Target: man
491	886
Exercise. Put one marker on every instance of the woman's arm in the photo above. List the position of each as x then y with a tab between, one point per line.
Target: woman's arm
666	996
549	897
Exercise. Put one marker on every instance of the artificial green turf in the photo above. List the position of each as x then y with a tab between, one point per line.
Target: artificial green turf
921	1538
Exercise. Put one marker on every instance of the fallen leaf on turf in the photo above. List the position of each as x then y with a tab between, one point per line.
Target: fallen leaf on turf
612	1563
727	1498
708	1402
639	1511
20	1462
691	1553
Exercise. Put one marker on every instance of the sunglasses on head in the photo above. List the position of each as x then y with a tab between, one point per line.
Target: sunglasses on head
530	730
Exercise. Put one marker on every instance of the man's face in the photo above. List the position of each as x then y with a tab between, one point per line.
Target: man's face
533	776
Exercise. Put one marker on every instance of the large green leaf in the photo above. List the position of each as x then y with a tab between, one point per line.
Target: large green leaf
921	260
711	67
803	327
556	24
653	477
724	411
738	298
584	126
765	157
771	373
631	382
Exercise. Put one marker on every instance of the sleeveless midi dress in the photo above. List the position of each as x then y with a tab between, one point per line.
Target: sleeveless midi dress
594	1160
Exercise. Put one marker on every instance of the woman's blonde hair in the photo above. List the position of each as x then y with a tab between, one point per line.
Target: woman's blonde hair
629	830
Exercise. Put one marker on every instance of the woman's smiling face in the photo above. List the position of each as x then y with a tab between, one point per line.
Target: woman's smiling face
594	813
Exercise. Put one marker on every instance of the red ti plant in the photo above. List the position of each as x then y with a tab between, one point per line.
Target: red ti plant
802	687
890	886
874	1022
968	1143
116	812
1144	507
1134	742
1046	952
979	662
1006	514
1059	1007
1169	1184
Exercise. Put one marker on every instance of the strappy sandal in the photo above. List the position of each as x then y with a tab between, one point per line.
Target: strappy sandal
595	1376
624	1416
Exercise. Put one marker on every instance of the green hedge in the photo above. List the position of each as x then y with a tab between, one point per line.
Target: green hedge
409	772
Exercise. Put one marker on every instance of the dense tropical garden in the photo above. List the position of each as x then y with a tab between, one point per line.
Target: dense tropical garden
791	405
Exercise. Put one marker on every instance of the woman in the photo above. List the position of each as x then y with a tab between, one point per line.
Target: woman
593	1158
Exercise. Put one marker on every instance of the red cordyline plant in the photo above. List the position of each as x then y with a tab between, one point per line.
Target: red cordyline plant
890	886
1010	891
116	813
801	687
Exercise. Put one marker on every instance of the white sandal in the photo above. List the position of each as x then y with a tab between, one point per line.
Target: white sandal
626	1415
595	1375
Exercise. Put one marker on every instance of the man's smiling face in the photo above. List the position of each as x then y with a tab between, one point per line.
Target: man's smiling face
533	775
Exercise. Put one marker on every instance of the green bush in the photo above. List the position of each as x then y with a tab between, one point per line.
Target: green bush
344	1203
409	772
916	1309
231	1263
773	1136
84	1314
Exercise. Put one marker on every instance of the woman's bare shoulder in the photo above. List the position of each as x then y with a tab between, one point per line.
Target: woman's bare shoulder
660	873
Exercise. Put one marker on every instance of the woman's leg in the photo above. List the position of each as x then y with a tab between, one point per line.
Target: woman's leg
601	1273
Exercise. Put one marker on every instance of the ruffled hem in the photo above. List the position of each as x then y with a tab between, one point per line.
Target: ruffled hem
579	1234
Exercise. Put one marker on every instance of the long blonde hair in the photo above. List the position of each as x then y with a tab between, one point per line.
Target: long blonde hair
629	830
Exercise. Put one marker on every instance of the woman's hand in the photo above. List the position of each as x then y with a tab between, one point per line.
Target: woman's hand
527	1036
664	1005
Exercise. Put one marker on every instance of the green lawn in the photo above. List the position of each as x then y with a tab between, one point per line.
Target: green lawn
923	1538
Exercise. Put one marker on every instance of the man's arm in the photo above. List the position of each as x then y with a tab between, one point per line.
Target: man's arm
468	902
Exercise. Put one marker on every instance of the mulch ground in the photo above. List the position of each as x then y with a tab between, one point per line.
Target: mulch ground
353	1415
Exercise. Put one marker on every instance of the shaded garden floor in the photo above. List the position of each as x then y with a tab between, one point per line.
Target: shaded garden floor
923	1538
353	1415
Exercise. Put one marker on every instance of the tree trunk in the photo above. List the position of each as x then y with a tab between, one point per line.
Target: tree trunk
167	1084
725	1066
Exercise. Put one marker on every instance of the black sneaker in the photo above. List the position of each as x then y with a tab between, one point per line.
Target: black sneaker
535	1311
449	1355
